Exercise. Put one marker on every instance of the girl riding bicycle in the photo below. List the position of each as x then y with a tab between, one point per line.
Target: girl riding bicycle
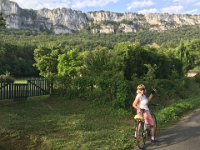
141	105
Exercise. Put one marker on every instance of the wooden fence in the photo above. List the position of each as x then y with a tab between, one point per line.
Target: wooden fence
33	87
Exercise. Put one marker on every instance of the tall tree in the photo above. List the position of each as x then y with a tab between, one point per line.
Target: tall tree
186	58
46	61
193	47
104	70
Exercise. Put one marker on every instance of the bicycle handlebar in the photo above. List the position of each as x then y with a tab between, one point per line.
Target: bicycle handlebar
153	104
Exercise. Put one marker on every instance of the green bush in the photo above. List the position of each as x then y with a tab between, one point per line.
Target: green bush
197	78
121	95
6	78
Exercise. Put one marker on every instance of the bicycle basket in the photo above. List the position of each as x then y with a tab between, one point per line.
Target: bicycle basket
139	117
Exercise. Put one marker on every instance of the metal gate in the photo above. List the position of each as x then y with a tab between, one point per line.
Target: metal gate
33	87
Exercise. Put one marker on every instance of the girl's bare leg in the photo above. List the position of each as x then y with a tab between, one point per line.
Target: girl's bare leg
153	132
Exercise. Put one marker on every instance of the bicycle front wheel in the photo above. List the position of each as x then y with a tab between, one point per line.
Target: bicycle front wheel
140	138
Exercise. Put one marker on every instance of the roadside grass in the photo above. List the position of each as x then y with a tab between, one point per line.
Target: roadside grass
171	114
45	123
57	123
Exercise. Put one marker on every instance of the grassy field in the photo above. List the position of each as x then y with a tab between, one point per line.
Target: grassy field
57	123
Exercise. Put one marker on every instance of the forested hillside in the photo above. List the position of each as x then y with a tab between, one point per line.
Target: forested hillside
17	46
90	64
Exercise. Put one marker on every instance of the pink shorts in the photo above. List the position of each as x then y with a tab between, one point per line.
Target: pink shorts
148	118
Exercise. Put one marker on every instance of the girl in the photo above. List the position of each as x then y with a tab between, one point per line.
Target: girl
141	104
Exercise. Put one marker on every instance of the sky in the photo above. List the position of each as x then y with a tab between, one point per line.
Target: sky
122	6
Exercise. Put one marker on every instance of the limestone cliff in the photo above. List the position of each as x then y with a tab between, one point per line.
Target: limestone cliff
69	21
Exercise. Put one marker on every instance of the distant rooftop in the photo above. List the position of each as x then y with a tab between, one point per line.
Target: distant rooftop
193	73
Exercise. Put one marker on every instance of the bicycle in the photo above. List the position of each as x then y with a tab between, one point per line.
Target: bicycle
143	130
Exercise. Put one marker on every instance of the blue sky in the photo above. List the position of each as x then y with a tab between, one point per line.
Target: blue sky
138	6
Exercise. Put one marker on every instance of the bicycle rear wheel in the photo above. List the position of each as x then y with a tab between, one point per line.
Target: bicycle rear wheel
140	138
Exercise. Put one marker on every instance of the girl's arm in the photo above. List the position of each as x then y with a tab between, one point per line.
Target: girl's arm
135	104
150	97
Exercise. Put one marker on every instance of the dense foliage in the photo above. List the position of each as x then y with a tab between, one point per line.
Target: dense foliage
17	46
104	72
17	59
100	65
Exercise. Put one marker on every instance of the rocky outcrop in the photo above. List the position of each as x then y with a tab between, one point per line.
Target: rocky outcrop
66	20
126	28
57	20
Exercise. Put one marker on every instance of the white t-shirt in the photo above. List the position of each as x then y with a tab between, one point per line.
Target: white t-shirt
143	104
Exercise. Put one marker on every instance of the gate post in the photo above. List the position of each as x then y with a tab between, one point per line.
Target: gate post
51	87
20	91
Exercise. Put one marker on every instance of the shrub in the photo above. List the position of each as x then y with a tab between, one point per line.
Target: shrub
121	94
197	78
6	78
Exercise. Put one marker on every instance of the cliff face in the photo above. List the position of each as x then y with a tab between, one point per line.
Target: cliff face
57	20
69	21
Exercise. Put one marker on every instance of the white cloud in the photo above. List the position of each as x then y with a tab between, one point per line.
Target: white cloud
91	3
193	11
140	4
173	9
146	11
180	1
75	4
38	4
184	1
198	4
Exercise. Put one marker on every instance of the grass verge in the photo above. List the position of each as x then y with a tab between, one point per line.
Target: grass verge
173	113
57	123
45	123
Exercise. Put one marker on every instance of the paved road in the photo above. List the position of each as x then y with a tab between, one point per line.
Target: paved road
183	136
